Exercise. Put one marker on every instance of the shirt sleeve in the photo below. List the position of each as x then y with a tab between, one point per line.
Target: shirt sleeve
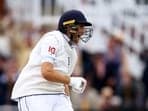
49	48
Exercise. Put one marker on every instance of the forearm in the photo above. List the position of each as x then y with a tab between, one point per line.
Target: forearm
78	84
67	90
59	77
50	74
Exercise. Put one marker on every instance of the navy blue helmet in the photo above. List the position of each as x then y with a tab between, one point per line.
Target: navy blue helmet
73	18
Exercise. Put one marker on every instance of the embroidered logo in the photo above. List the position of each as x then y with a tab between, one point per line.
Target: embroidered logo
51	50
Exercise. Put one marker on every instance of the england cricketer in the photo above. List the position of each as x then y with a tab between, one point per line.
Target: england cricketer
44	81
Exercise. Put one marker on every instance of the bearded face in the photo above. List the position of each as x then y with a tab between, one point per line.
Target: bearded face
79	32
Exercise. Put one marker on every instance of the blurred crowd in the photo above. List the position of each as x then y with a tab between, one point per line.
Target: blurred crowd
117	76
114	62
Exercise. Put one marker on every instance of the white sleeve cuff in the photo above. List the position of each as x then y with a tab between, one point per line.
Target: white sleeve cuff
48	59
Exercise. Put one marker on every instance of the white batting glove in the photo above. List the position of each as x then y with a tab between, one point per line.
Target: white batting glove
78	84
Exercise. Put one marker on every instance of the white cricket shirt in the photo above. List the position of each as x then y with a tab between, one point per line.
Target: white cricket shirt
53	47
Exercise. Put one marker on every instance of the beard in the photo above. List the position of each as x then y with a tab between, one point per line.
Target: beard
75	38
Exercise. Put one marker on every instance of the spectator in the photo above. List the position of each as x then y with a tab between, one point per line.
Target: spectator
128	91
99	74
5	47
107	101
114	59
7	80
144	58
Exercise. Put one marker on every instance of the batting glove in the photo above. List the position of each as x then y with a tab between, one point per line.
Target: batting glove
78	84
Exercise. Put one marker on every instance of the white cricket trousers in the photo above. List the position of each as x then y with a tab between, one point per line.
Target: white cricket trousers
57	102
